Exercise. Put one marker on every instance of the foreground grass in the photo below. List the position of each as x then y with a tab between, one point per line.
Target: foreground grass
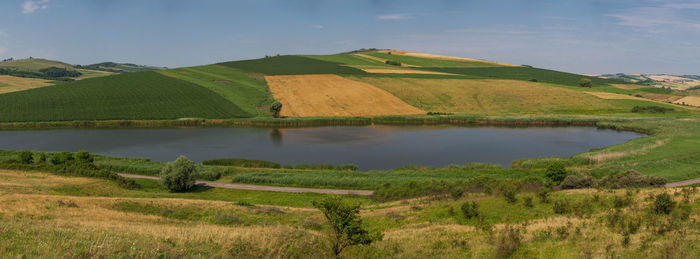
40	220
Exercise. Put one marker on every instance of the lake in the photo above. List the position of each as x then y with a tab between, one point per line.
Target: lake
369	147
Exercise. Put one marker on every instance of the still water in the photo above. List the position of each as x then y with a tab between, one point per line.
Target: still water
375	147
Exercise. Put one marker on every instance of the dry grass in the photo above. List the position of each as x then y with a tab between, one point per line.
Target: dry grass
10	84
614	96
381	59
426	55
485	96
333	95
602	157
660	97
627	86
689	100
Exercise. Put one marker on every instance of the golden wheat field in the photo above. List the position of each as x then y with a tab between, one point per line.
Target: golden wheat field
485	96
10	84
333	95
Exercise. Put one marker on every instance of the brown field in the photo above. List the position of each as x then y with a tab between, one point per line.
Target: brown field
426	55
10	84
402	71
661	97
333	95
689	100
612	96
486	96
381	59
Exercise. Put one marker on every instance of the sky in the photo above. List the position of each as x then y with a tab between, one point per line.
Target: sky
580	36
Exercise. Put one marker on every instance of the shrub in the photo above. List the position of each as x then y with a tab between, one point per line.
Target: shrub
663	204
556	172
393	63
26	157
630	179
543	194
585	82
347	167
470	210
345	223
561	207
509	189
40	158
621	201
240	162
457	193
83	157
528	201
178	176
508	241
61	158
209	174
576	182
275	109
651	109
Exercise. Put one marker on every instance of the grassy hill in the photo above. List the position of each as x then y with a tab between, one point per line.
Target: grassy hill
119	67
239	89
34	64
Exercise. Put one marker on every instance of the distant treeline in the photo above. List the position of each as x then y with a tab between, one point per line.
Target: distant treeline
116	67
51	73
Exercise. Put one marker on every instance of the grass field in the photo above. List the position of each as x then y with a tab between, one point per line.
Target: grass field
291	65
332	95
146	95
10	84
430	62
34	64
45	215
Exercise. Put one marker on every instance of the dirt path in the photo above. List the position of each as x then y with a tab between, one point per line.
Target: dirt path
683	183
263	187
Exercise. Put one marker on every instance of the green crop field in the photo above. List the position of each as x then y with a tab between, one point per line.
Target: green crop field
291	65
146	95
522	73
430	62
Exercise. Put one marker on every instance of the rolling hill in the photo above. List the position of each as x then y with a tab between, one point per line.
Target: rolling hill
367	83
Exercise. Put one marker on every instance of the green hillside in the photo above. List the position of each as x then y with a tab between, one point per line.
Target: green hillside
145	95
34	64
118	67
291	65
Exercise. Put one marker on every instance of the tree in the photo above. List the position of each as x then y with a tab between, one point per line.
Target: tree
275	109
556	172
346	226
585	82
26	157
178	176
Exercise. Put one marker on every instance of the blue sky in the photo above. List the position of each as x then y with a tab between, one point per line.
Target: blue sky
603	36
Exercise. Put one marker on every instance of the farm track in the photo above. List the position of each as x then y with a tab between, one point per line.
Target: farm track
683	183
263	187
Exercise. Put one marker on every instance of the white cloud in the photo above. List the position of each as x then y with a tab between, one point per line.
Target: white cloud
656	19
30	6
395	16
317	26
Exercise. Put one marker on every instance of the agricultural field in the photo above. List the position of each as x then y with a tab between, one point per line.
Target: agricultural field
34	64
145	95
332	95
10	84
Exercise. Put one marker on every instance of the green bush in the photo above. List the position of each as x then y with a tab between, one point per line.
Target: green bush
509	189
209	174
543	194
347	167
630	179
470	210
556	172
275	109
457	193
393	63
40	158
26	157
561	207
663	204
528	201
83	157
178	176
585	82
345	223
577	182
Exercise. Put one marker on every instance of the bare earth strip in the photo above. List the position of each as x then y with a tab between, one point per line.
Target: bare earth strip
263	187
426	55
689	100
333	95
402	71
10	84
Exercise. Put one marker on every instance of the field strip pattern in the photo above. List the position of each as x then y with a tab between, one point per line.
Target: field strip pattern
403	71
434	56
263	187
612	96
333	95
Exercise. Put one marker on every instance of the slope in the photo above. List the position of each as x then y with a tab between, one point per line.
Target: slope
144	95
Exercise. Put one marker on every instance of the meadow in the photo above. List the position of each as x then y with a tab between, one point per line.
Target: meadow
52	216
291	65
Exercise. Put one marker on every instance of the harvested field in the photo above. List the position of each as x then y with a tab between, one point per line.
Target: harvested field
10	84
402	71
689	100
486	96
381	59
661	97
333	95
611	96
426	55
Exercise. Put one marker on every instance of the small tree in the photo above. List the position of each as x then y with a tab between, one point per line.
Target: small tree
585	82
178	176
26	157
275	109
345	223
556	172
